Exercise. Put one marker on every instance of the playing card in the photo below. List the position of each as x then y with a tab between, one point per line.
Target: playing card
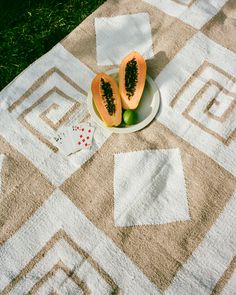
61	141
81	136
73	138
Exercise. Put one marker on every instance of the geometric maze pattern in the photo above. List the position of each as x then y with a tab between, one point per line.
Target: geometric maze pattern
36	106
58	250
69	259
202	100
211	99
60	281
47	103
65	247
50	93
62	253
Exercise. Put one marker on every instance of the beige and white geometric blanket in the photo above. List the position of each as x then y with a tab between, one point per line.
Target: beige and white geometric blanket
152	212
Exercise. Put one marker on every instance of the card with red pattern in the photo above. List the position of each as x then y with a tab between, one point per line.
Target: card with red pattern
80	136
74	137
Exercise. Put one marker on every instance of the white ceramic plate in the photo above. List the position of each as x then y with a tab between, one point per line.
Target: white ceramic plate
147	109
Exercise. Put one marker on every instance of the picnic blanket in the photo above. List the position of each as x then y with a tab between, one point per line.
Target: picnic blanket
150	212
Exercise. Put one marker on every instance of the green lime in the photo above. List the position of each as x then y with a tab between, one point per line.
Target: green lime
130	117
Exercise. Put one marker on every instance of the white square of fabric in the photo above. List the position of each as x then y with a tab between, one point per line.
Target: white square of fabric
149	188
117	36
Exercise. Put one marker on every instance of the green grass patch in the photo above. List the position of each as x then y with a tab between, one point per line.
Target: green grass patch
31	28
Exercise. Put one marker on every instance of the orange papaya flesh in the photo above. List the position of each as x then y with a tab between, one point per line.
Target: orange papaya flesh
132	77
107	99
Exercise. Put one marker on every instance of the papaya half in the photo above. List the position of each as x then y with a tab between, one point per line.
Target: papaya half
132	77
107	99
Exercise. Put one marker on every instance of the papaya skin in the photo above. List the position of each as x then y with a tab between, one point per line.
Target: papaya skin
113	118
133	101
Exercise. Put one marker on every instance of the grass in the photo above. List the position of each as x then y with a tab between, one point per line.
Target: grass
31	28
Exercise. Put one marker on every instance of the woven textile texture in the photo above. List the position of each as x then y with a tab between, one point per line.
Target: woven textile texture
150	212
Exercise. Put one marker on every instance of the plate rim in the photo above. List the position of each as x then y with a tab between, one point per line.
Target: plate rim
132	128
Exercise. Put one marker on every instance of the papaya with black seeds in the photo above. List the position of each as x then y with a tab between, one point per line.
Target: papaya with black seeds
132	77
107	99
